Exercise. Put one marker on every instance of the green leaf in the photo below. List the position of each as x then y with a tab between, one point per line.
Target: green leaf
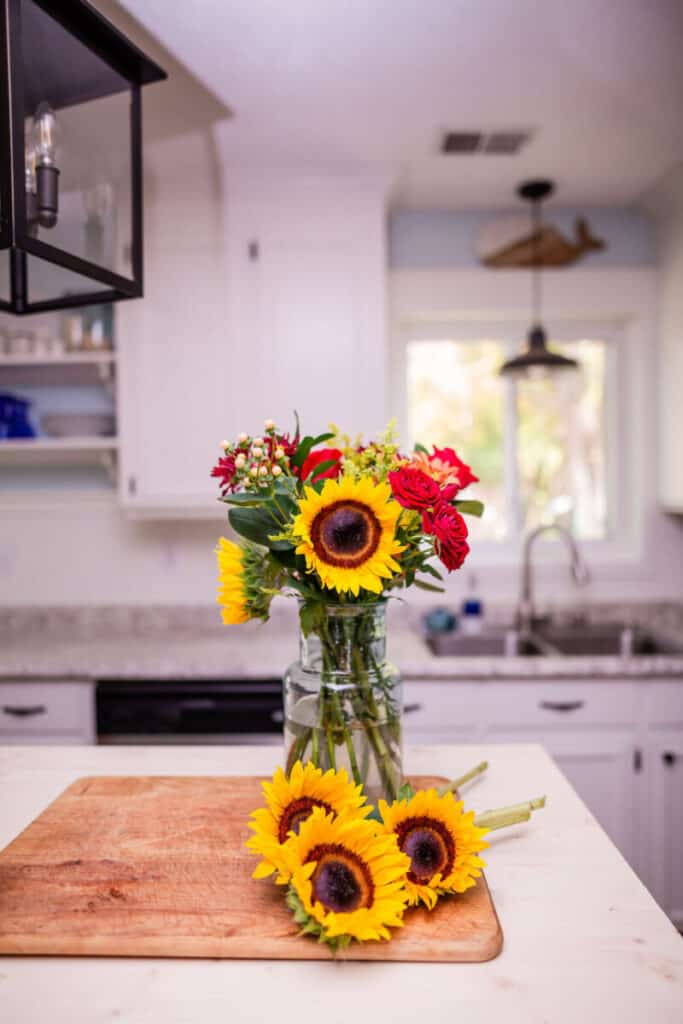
429	586
405	792
246	499
427	567
257	525
470	507
420	448
305	446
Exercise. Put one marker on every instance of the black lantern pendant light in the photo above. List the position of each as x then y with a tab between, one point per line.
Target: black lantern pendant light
70	157
537	358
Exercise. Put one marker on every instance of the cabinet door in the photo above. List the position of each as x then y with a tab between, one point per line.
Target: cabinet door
179	391
602	766
664	760
308	286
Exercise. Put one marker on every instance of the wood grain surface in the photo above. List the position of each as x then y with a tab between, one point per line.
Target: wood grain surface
156	866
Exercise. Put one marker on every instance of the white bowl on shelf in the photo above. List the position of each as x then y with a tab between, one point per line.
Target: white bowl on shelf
79	424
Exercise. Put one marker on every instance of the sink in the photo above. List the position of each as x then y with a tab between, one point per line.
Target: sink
489	643
548	640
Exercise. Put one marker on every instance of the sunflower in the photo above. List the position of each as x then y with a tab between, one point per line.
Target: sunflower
232	595
348	881
290	801
347	533
441	840
247	581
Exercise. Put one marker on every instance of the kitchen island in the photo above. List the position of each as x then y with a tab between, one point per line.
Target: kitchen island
584	941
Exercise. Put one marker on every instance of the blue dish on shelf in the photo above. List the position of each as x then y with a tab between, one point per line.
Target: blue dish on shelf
14	418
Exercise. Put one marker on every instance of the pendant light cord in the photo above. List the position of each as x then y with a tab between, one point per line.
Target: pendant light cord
536	268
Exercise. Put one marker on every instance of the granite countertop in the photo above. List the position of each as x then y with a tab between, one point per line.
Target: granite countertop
584	940
175	643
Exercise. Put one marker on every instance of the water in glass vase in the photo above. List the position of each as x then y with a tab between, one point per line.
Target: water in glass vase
343	699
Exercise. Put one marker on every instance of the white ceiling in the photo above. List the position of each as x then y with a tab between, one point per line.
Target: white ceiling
371	84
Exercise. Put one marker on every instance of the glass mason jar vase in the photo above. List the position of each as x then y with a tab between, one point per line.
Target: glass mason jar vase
343	700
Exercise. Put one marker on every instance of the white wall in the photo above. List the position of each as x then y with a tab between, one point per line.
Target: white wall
666	203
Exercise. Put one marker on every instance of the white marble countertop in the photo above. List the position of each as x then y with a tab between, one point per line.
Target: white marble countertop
584	941
265	651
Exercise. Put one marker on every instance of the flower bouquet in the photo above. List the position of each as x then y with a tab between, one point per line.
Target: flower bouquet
342	526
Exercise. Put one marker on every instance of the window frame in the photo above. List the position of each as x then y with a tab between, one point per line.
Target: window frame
620	541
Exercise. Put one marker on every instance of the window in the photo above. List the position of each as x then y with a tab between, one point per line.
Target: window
538	446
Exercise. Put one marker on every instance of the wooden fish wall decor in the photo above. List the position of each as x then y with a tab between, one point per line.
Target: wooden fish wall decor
499	247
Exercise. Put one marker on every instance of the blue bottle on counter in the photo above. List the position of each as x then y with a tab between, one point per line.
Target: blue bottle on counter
472	617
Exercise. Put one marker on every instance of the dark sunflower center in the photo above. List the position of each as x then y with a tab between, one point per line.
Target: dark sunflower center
341	881
429	845
345	534
295	813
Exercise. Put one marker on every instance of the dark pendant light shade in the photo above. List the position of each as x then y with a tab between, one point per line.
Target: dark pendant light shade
70	157
537	358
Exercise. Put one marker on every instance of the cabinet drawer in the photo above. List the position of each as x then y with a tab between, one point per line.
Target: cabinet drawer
442	706
47	708
664	703
559	703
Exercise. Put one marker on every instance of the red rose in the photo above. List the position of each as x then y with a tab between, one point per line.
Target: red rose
450	530
314	459
414	489
225	470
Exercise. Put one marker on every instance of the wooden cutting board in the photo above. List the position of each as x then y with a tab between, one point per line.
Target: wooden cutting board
156	866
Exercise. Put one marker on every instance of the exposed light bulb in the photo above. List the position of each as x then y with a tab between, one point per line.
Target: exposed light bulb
45	135
45	139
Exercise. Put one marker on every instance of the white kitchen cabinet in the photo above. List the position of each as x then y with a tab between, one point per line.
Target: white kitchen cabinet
47	711
663	755
665	834
592	729
603	767
287	314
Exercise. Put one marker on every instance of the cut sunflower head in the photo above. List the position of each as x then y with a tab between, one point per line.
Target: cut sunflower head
441	840
347	880
242	569
347	534
289	802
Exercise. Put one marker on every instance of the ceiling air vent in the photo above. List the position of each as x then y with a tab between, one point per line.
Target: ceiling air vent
504	142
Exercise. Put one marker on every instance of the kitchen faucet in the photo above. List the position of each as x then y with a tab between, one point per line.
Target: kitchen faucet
578	568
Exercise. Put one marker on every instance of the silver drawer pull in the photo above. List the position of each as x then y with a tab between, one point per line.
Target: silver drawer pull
561	705
277	717
24	712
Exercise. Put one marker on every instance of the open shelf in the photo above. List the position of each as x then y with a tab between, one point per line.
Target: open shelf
33	453
65	359
28	445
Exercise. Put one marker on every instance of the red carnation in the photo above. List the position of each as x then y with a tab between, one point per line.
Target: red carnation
458	474
314	459
414	489
450	530
225	470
